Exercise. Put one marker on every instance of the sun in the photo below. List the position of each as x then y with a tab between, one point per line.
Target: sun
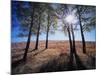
70	18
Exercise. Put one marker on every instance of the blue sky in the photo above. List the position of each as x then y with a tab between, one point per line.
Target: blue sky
89	36
59	35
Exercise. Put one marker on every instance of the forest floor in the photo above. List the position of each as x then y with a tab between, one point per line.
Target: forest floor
55	58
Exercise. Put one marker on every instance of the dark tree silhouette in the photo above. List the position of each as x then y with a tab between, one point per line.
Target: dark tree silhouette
40	9
82	35
48	26
49	21
29	36
73	36
38	31
86	22
70	41
28	43
25	16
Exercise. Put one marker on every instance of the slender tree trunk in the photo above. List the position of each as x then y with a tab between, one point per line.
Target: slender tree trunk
81	29
47	33
74	48
37	39
71	49
70	41
47	37
29	37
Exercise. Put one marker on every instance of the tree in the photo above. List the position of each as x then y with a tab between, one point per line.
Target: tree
52	21
25	14
29	36
38	29
41	9
73	36
61	13
67	29
83	12
49	21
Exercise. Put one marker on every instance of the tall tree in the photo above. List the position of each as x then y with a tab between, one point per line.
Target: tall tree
73	36
29	34
49	21
29	37
48	26
25	13
41	10
61	13
52	22
67	29
84	17
38	31
82	35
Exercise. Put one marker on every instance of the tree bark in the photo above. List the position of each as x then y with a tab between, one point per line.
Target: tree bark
29	37
47	37
47	33
71	48
37	39
74	48
70	41
81	29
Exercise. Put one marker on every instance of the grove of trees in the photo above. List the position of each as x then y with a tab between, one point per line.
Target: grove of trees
36	18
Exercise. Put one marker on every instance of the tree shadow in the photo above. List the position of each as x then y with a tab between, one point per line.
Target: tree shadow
53	66
74	63
39	52
91	61
32	50
20	61
16	63
79	63
18	49
35	50
70	64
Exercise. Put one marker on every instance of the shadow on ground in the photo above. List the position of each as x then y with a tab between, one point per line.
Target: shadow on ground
63	64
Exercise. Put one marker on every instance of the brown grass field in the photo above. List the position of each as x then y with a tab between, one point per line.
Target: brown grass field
55	58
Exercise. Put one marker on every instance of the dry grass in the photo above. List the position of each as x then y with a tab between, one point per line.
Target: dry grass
55	58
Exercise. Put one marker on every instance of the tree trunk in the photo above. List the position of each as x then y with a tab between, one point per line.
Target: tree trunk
81	29
37	39
47	37
74	48
29	37
47	33
71	49
70	41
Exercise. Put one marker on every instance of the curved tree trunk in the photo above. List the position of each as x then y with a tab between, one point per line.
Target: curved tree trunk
29	37
81	29
70	41
71	46
37	39
47	32
38	31
71	49
74	48
47	37
83	40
